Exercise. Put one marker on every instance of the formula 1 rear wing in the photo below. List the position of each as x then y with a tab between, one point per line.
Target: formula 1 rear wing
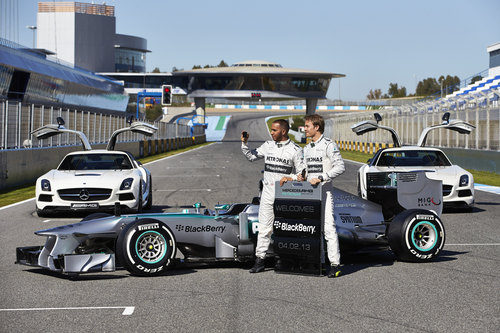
51	130
135	127
369	125
456	125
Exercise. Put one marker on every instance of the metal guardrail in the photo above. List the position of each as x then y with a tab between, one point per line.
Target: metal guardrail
18	120
409	124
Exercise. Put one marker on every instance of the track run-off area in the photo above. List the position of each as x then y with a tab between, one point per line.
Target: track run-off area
458	292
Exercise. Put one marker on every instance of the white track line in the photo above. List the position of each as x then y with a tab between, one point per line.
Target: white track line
177	176
17	203
479	244
189	190
355	162
127	310
178	154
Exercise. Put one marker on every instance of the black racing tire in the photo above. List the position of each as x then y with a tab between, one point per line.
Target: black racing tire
359	188
44	212
95	216
146	247
416	235
149	204
469	208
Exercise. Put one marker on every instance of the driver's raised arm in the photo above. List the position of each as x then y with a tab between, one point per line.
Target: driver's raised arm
253	154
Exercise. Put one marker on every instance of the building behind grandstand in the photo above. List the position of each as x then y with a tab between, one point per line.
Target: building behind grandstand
85	35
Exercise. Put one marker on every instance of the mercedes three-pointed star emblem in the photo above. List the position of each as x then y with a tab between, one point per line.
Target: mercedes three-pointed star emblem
84	195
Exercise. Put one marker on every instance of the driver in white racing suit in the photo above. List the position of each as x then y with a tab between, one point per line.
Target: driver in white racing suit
324	163
281	156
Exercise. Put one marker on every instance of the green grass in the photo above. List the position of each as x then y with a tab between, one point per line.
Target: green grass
11	196
485	177
355	156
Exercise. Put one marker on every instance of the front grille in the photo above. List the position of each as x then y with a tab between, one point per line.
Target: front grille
447	190
84	194
464	193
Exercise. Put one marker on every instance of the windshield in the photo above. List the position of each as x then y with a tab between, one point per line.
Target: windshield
96	162
413	158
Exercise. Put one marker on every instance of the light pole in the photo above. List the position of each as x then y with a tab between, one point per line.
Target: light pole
33	28
143	58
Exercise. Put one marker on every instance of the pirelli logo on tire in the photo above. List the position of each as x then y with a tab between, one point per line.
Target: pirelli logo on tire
425	217
148	226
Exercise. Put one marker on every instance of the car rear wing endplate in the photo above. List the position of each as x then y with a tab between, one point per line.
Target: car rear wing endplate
48	131
135	127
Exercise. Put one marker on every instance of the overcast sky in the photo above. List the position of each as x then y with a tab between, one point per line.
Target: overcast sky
372	42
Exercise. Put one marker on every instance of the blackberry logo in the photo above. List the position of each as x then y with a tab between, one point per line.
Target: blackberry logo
285	226
278	168
200	228
315	168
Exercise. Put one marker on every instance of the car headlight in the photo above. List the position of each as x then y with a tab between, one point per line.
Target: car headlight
45	185
464	180
127	184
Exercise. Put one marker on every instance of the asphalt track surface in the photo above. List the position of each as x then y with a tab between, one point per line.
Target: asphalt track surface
457	293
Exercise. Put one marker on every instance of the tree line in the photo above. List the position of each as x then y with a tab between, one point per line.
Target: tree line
426	87
222	63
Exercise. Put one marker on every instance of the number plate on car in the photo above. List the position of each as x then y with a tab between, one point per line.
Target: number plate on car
84	205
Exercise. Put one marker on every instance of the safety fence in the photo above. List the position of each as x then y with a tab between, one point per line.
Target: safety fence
409	125
18	120
363	147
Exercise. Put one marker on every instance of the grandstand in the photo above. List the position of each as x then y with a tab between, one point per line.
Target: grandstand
483	94
31	76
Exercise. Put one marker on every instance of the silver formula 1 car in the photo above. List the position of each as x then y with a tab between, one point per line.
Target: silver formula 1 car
406	219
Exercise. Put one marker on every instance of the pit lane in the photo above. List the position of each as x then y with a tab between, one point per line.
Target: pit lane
455	293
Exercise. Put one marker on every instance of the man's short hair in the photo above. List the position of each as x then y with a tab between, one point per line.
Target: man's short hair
316	120
283	124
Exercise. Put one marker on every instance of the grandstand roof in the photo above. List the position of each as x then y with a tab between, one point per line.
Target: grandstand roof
257	67
493	47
